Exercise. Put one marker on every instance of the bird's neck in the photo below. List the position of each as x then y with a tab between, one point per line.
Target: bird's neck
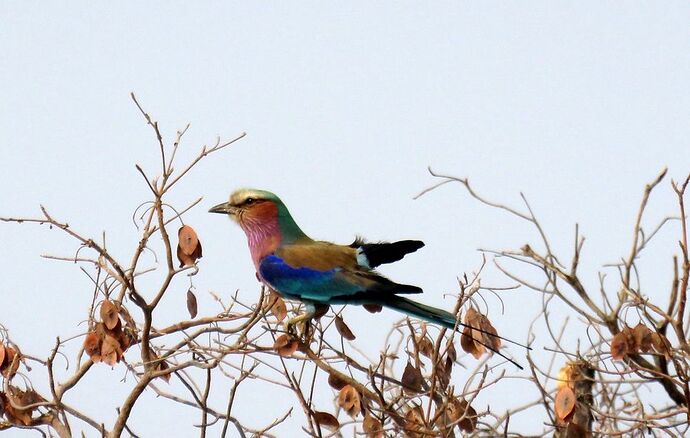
266	232
263	239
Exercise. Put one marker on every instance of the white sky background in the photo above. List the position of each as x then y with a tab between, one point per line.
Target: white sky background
345	106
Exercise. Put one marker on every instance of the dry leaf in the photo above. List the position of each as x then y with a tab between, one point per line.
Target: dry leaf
489	333
414	422
117	340
468	345
285	346
450	414
327	420
336	382
2	355
162	366
3	410
412	379
303	347
459	412
124	339
130	328
27	397
643	338
575	430
18	416
184	259
21	398
278	309
619	345
11	364
188	239
110	350
343	329
424	346
478	334
100	330
450	351
109	314
456	409
349	400
372	426
92	344
443	372
191	304
469	422
566	376
469	336
188	247
564	404
660	344
267	302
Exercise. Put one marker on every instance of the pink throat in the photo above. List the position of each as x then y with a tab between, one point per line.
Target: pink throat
263	238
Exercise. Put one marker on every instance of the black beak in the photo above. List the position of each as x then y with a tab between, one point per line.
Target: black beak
224	208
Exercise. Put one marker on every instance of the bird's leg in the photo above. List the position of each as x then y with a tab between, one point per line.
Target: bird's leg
305	317
292	324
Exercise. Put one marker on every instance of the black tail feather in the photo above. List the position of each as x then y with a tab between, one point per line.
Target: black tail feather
385	252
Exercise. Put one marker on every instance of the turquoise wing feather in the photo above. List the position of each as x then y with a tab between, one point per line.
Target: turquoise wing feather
304	283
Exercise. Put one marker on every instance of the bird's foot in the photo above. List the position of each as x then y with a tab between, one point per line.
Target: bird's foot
300	328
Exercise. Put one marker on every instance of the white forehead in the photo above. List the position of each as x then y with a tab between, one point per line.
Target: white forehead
241	195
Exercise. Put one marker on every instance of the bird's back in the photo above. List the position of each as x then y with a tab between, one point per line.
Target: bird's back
321	256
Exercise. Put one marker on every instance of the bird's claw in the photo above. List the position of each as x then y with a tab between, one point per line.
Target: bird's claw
290	328
305	332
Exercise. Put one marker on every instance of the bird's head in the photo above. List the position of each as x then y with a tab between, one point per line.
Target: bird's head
256	210
249	206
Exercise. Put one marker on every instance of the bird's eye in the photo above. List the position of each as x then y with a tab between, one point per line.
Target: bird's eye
249	201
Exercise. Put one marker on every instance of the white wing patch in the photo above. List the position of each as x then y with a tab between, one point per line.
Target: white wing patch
362	259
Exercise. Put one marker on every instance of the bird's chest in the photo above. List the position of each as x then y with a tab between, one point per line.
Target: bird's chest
260	248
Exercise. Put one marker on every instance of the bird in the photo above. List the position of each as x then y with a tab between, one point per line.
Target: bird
319	273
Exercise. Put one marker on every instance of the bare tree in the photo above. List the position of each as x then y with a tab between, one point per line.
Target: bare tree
632	343
408	389
629	375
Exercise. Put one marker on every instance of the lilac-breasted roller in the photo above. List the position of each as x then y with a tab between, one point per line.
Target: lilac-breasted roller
321	273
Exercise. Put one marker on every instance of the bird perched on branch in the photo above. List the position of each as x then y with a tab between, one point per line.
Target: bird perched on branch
321	273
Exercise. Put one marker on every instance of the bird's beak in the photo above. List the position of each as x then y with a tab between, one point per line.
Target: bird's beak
224	208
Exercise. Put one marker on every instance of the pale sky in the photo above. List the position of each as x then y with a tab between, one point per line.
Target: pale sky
345	105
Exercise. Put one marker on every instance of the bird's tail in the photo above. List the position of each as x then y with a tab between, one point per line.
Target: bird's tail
375	254
440	317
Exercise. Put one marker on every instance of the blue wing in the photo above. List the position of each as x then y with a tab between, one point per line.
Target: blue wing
329	287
